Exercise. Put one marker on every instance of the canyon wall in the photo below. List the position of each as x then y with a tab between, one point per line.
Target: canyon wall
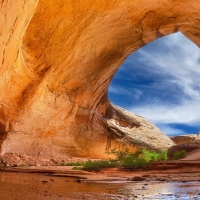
57	60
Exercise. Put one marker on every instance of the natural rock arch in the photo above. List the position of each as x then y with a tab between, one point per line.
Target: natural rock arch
57	60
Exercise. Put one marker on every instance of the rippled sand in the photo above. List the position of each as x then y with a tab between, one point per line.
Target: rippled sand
21	186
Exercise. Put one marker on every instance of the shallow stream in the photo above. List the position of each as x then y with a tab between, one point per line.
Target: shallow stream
21	186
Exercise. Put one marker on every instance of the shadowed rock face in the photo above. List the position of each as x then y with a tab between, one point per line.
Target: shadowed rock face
57	60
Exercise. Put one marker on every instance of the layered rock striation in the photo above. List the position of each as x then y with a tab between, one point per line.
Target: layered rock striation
57	59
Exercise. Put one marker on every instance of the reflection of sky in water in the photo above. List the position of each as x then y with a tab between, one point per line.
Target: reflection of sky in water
150	190
161	190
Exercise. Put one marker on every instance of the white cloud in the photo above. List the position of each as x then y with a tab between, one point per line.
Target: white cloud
133	93
119	90
182	63
186	113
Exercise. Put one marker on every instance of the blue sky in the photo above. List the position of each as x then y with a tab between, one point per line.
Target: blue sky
161	82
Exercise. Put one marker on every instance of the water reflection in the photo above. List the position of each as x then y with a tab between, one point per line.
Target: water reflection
163	190
40	186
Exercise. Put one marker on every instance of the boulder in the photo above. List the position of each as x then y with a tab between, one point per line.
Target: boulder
137	178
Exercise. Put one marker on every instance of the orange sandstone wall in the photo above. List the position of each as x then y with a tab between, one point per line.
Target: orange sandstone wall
57	60
15	17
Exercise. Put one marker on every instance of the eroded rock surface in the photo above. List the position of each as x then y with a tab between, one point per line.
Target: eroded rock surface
57	60
134	130
183	139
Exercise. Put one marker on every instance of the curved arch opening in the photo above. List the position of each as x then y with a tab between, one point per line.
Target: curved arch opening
160	82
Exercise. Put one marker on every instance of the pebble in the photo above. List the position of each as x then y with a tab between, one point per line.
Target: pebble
137	178
44	182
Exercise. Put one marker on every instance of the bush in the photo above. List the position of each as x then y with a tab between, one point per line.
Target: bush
188	147
154	156
120	155
134	161
98	165
179	154
139	159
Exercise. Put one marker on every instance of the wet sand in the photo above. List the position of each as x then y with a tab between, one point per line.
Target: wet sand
24	186
171	180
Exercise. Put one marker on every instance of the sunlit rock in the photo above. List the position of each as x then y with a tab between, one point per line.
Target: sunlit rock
182	139
57	60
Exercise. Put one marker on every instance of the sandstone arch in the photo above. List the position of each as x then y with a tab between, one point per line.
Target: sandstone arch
57	60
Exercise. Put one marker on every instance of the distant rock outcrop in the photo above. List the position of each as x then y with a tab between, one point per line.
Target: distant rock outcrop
188	148
189	138
182	139
57	59
133	130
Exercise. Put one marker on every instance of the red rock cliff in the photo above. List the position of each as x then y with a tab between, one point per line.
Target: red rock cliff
57	60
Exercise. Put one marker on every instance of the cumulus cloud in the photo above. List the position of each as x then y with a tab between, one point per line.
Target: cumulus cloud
186	113
163	82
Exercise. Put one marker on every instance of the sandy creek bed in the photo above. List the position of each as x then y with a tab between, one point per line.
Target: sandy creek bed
19	186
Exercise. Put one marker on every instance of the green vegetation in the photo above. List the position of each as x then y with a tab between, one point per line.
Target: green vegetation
134	161
119	155
179	154
154	156
91	165
141	159
97	165
126	159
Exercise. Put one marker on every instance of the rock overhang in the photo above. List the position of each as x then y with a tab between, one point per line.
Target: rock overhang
57	65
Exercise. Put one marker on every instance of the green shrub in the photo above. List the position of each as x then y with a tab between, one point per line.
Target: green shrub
98	165
163	155
139	159
134	161
179	154
120	155
154	156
